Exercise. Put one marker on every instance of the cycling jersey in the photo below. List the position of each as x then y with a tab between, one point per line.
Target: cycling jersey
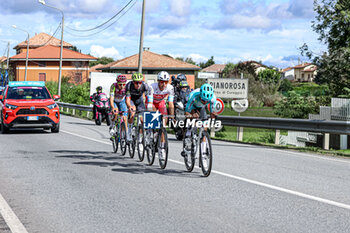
156	95
136	95
117	94
194	101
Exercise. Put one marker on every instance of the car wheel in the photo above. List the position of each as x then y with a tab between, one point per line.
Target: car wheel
56	128
4	129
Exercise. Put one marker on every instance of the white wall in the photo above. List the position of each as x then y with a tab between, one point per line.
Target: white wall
107	79
102	79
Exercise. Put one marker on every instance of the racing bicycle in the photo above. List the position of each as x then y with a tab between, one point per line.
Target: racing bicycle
198	138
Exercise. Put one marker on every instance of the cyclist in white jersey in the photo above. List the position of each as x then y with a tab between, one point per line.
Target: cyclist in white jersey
158	93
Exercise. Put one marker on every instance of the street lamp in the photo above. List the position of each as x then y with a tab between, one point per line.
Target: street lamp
141	37
61	50
25	73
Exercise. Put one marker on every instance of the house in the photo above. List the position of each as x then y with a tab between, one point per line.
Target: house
43	64
258	67
215	68
40	40
94	68
152	64
288	73
3	62
305	72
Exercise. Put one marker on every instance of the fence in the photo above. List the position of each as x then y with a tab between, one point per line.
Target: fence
318	126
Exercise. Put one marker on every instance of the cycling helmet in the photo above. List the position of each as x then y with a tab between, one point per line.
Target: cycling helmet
206	92
121	79
99	88
163	76
181	77
184	84
137	77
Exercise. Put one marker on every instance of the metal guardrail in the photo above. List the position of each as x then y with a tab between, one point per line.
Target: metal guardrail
75	106
318	126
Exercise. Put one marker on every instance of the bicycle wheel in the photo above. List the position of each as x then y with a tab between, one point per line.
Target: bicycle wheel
115	140
150	151
205	156
122	138
132	144
162	149
189	157
141	143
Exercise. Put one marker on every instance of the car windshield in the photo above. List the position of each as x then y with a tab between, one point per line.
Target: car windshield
30	93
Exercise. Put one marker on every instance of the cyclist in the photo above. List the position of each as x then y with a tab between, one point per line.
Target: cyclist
198	100
93	98
158	92
182	93
135	91
117	100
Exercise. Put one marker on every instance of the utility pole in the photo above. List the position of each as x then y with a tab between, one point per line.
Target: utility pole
61	50
8	55
141	37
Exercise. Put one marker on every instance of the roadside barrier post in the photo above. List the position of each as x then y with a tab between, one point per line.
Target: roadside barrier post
277	137
326	141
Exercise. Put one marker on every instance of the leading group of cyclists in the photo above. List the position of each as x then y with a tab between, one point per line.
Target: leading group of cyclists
136	96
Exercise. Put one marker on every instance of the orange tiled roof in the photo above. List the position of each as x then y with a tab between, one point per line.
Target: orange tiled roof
3	58
150	60
310	69
53	52
254	63
302	65
93	68
40	39
287	69
216	68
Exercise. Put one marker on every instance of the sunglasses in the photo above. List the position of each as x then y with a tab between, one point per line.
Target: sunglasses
122	84
138	82
163	82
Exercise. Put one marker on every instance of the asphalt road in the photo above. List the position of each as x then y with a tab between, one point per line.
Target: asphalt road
72	182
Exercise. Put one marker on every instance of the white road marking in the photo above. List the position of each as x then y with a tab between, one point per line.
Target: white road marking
10	217
307	196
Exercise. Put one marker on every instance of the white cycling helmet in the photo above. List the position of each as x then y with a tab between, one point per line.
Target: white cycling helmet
163	76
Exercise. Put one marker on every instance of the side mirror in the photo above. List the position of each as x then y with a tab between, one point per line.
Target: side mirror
56	97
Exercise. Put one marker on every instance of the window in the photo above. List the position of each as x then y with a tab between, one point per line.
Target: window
78	77
42	77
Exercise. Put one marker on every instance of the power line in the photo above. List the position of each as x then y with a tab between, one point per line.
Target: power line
59	25
85	30
105	27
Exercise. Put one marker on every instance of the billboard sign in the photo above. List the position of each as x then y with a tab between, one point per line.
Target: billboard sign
230	88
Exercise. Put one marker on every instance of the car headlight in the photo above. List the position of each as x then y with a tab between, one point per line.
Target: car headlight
13	107
52	106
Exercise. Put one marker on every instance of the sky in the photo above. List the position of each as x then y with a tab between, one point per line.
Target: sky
269	31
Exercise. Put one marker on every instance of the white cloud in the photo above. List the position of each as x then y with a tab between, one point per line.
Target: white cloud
100	51
180	7
175	55
197	57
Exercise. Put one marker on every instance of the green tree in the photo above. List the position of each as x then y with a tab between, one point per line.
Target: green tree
296	106
208	63
190	60
269	76
75	48
229	67
332	25
101	60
